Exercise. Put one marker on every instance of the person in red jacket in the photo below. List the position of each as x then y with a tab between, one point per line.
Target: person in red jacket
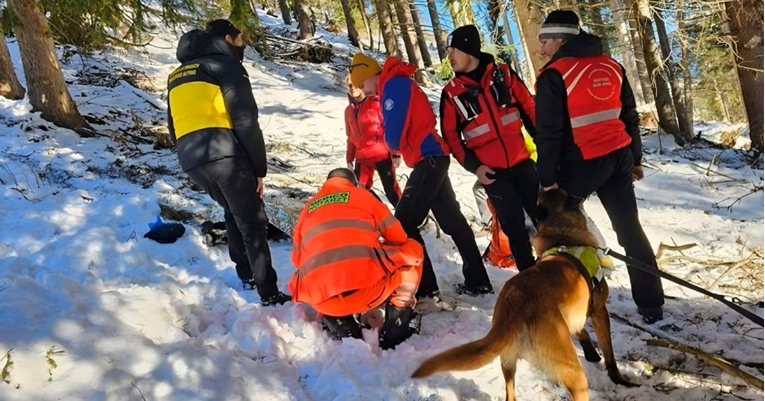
482	111
589	140
343	267
363	125
410	130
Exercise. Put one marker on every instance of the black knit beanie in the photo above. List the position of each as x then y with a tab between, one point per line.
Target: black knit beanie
560	24
467	39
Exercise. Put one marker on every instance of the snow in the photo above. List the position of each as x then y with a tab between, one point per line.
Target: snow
135	318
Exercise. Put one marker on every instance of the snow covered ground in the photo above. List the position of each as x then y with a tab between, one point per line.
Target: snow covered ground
91	310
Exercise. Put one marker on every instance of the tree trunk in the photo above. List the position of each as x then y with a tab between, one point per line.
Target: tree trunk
307	28
410	39
745	25
48	92
511	42
598	26
686	131
10	88
367	26
386	26
353	34
625	48
685	62
664	106
721	102
438	32
530	19
637	44
424	51
284	8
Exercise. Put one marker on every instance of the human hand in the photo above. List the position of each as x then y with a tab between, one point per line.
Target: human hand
483	178
396	161
350	166
637	173
260	187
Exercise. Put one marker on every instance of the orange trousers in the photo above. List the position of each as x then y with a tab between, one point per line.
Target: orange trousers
398	287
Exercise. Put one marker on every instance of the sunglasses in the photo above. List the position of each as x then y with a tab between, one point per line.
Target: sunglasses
352	66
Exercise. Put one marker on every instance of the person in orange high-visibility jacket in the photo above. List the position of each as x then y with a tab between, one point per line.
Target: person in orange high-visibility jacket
588	140
344	269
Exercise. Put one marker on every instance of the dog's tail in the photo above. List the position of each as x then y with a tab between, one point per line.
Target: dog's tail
474	354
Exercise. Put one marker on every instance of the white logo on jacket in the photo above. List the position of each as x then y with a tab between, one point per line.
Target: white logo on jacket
389	105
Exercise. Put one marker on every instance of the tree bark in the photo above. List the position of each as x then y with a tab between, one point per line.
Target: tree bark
664	106
438	31
386	26
10	88
530	19
426	59
745	25
686	131
307	28
598	26
410	39
363	10
353	34
284	8
47	88
511	42
685	62
626	49
637	44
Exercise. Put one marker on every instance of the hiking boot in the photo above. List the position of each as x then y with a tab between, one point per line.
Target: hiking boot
651	315
399	325
473	291
279	298
339	327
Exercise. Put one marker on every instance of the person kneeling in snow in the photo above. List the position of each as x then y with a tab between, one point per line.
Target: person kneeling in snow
363	125
344	270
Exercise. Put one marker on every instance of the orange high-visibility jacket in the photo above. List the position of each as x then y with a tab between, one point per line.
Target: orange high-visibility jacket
336	243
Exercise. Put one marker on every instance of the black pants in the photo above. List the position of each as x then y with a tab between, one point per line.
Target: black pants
610	176
429	188
231	182
514	190
387	179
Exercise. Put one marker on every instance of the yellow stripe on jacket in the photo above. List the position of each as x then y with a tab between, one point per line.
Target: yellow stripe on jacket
198	105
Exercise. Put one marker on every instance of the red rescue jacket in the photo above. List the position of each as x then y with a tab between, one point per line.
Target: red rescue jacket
593	88
481	121
363	126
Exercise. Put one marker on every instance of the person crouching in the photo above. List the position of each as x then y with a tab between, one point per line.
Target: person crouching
344	270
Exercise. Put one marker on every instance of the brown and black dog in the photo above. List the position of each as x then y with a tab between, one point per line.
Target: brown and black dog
540	308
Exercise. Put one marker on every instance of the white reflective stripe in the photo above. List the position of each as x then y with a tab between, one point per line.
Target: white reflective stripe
477	131
616	71
509	118
594	118
579	251
570	29
599	275
576	80
570	70
461	107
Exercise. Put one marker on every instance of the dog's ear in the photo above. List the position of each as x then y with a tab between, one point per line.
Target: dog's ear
572	203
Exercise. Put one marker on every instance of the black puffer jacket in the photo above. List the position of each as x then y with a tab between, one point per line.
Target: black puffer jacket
554	140
212	113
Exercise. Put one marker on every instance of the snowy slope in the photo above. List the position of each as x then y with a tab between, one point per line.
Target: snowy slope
140	320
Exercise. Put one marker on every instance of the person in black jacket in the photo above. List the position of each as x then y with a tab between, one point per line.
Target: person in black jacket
213	121
589	141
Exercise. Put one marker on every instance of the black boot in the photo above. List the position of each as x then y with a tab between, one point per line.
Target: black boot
473	291
339	327
279	298
399	325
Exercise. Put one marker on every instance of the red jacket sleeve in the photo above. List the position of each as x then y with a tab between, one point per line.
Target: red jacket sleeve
453	137
524	100
350	151
297	238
